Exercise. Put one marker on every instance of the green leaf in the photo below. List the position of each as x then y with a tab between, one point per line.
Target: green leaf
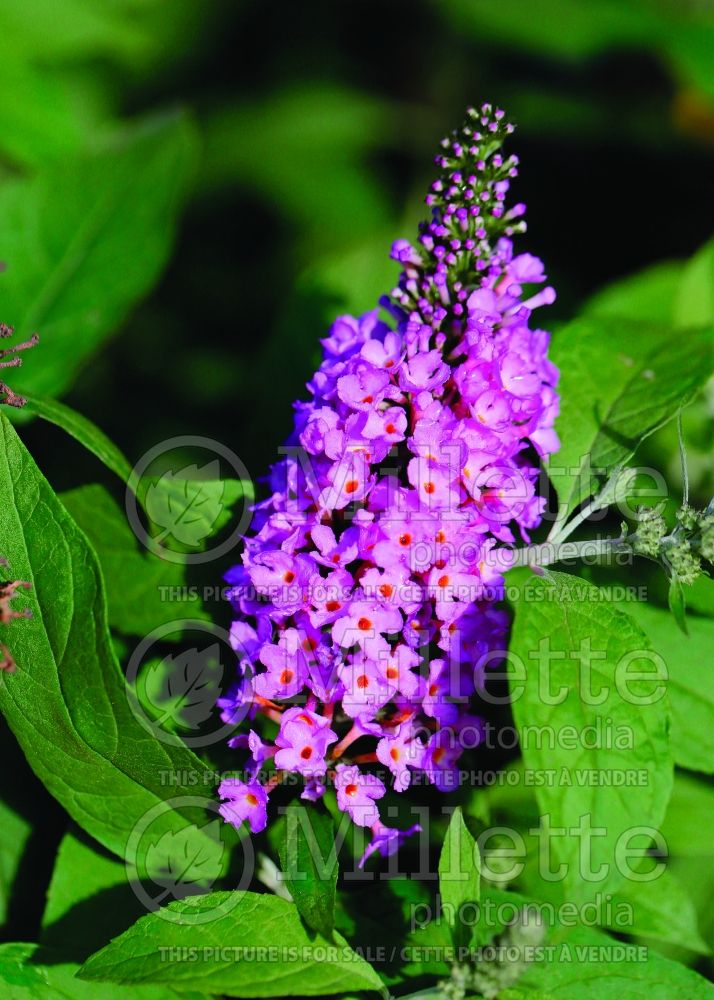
585	963
687	832
620	381
691	682
353	279
647	295
138	37
89	900
571	655
687	826
694	305
300	964
584	29
309	861
700	596
85	239
28	972
675	600
67	703
82	430
459	874
38	120
661	910
143	591
15	835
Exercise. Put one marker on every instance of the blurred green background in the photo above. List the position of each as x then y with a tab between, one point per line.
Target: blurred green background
313	128
226	176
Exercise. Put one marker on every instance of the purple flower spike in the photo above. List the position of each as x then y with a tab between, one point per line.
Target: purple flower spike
366	602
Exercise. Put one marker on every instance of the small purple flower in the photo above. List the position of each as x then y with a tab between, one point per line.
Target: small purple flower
303	741
399	753
364	621
356	792
286	665
244	802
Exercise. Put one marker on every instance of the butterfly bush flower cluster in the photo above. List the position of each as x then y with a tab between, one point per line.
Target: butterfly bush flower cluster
367	598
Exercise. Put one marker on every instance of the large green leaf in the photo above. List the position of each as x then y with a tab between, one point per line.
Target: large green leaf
570	659
67	702
687	833
309	861
585	964
620	381
688	659
662	910
85	239
29	972
647	295
675	292
296	963
141	588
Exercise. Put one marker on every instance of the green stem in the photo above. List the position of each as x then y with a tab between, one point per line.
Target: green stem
547	553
